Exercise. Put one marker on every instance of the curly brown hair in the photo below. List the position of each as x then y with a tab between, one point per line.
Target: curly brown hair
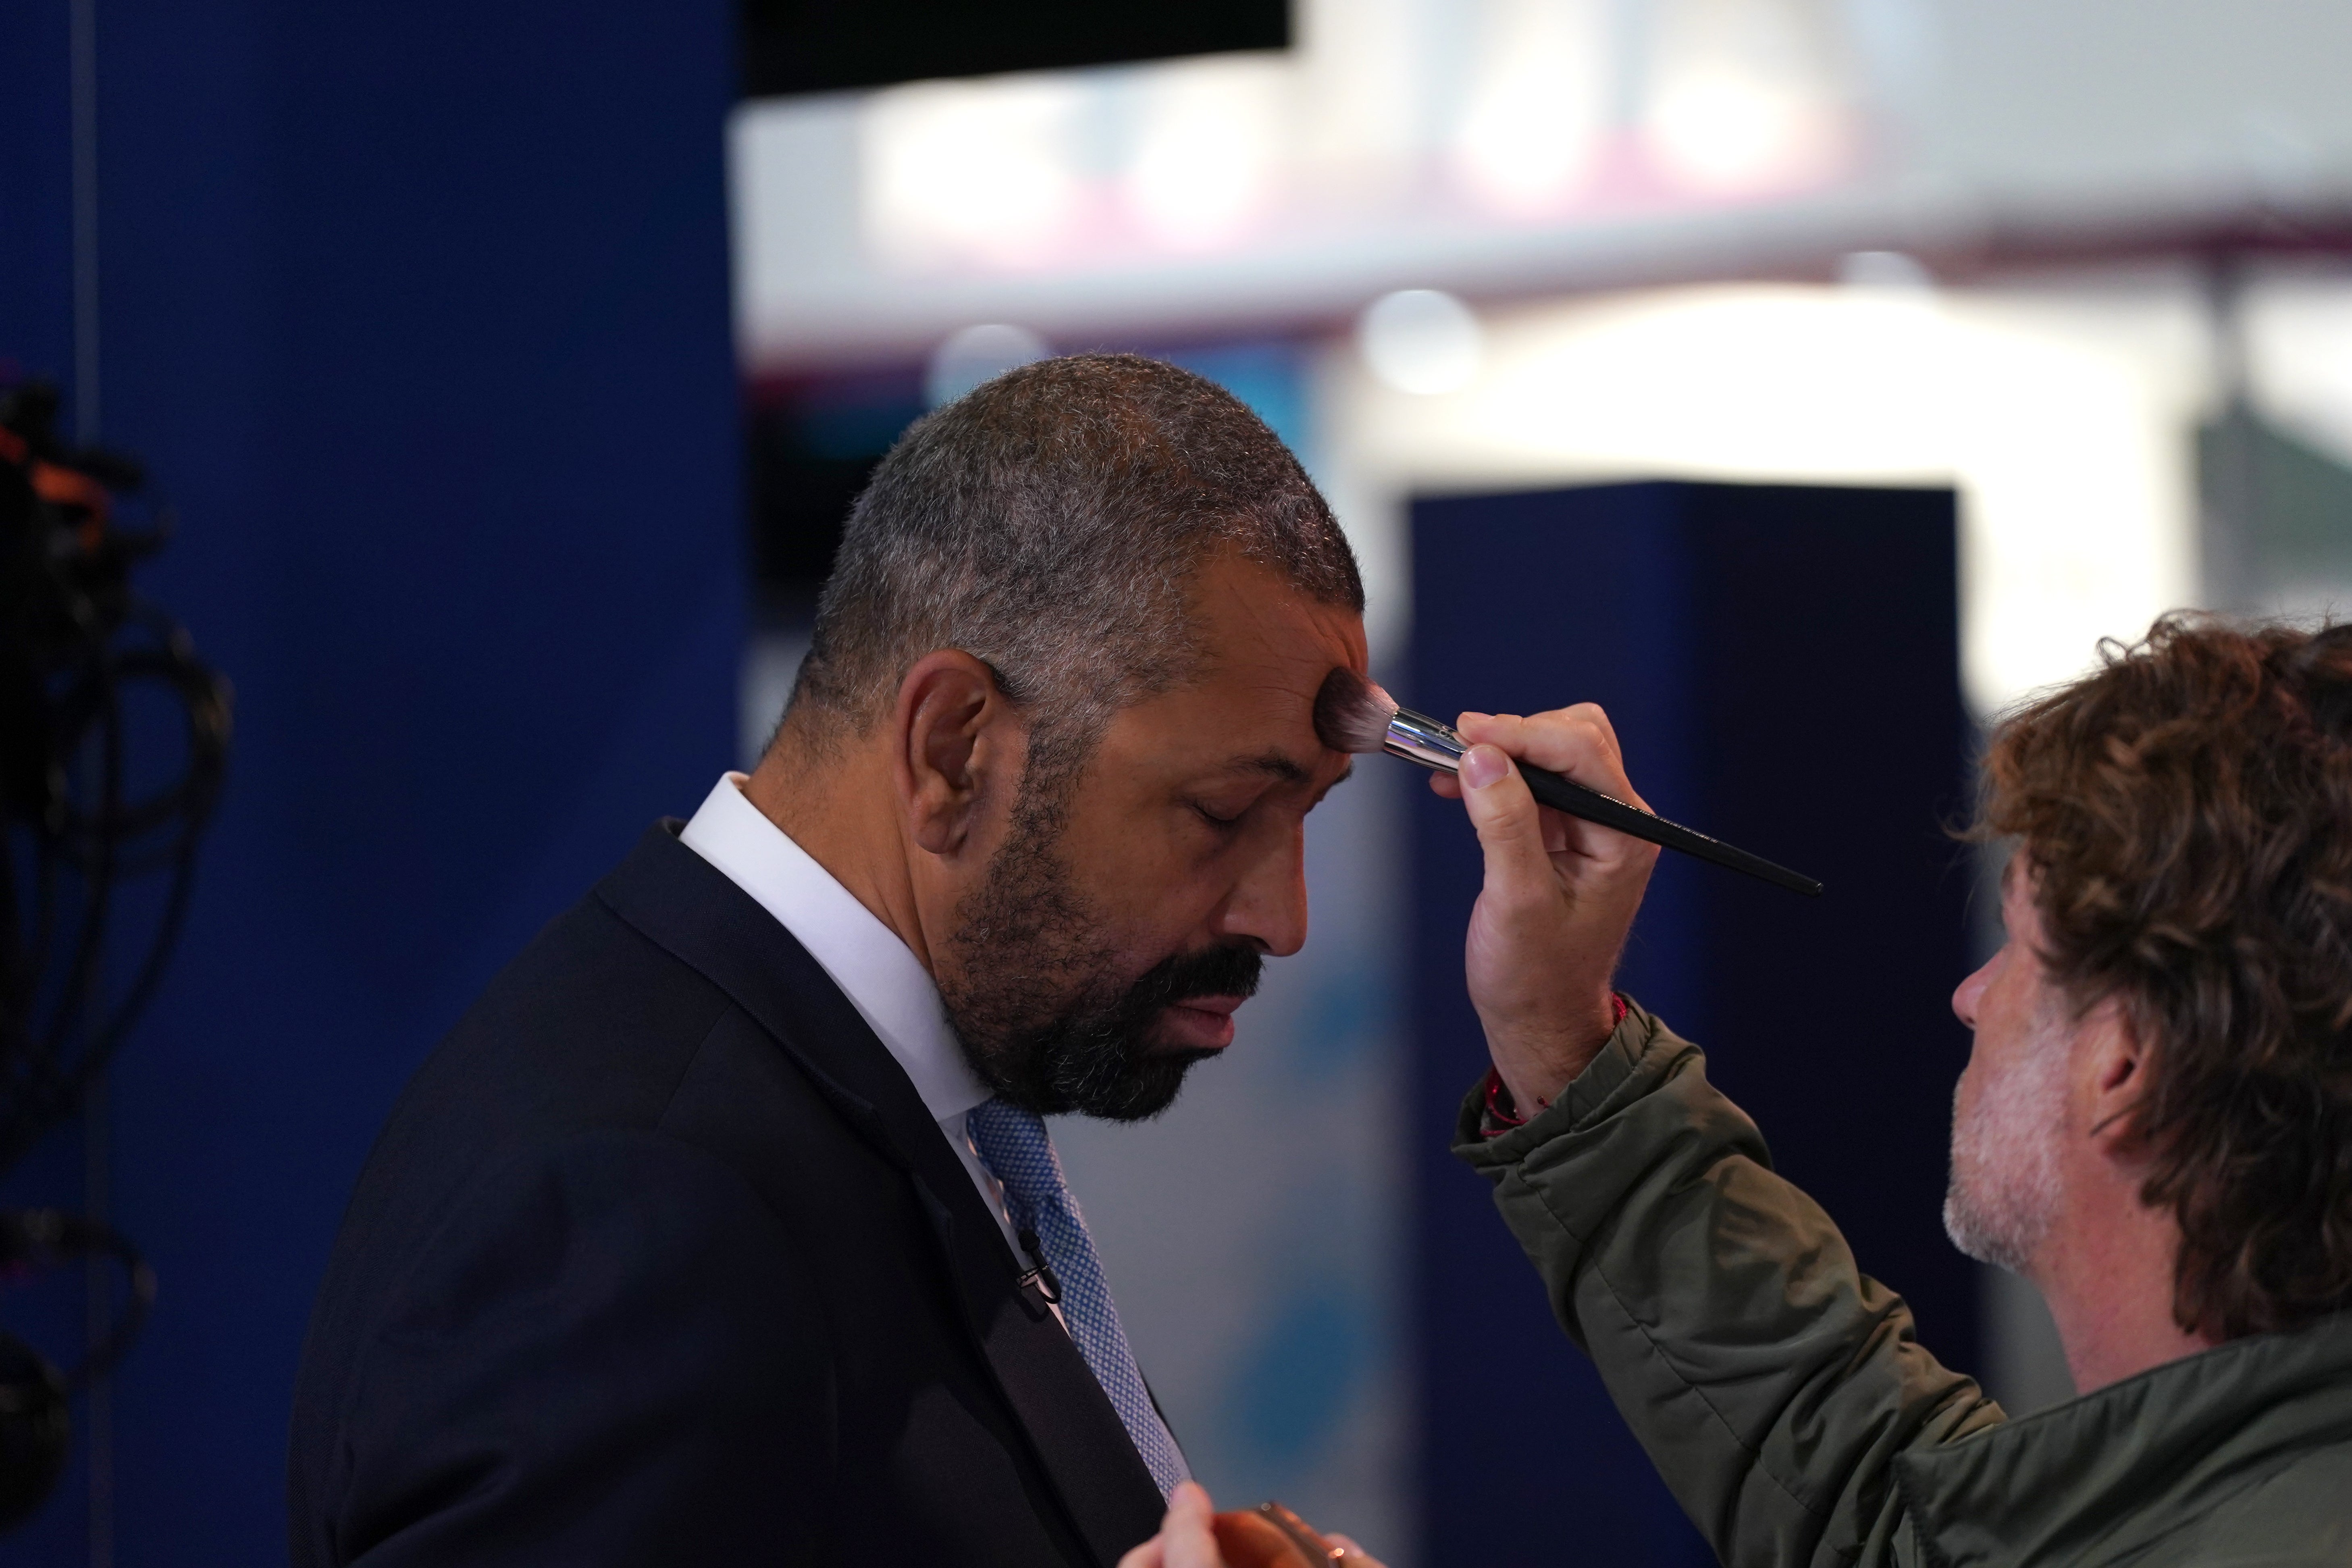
2187	813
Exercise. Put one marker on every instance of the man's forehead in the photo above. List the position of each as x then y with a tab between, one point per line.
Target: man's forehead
1263	716
1264	649
1248	609
1278	765
1236	724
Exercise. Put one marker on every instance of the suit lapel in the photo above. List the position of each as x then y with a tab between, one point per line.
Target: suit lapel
689	908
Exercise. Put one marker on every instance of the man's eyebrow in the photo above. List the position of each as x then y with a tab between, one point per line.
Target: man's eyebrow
1274	764
1277	765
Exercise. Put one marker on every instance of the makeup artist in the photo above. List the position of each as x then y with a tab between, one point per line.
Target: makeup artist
725	1228
2155	1128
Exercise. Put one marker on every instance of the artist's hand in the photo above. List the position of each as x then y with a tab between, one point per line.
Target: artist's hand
1560	895
1188	1539
1185	1539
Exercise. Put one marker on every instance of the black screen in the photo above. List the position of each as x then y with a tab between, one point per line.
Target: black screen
823	46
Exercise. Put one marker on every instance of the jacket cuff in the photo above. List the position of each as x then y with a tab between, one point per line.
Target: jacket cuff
1606	1083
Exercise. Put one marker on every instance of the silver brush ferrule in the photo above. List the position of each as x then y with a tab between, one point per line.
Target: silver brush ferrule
1418	738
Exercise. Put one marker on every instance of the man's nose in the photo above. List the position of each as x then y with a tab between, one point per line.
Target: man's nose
1267	906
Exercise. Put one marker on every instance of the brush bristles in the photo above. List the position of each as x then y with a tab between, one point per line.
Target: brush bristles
1351	714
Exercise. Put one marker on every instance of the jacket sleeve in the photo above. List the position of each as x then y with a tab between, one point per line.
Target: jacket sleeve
603	1357
1772	1383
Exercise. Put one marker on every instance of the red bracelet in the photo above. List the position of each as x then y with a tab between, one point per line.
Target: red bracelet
1498	1119
1502	1113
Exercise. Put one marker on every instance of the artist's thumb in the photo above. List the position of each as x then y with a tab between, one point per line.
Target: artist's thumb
1510	830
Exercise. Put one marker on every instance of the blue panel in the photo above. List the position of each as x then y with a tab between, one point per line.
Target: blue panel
36	338
1518	608
1780	665
36	193
420	315
1826	622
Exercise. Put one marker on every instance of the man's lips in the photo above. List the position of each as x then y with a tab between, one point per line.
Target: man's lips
1203	1023
1222	1006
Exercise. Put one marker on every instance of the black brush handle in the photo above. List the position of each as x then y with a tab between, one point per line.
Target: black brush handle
1566	795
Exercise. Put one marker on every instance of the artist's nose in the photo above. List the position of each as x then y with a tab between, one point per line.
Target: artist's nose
1970	995
1267	906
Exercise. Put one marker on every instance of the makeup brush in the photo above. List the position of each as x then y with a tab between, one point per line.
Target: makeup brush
1351	714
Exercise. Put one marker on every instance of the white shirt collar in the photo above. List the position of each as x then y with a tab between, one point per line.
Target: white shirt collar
879	973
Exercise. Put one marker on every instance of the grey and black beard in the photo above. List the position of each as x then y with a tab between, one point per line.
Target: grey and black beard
1035	996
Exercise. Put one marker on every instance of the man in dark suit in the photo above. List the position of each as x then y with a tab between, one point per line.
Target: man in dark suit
724	1228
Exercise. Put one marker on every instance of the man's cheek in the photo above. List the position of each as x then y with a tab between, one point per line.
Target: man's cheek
1153	910
1134	873
1136	958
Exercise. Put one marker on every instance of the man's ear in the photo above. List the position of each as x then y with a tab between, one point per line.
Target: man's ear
2113	1065
949	730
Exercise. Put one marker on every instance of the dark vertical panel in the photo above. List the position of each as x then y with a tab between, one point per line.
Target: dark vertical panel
1781	664
420	315
1827	621
36	340
35	193
1521	603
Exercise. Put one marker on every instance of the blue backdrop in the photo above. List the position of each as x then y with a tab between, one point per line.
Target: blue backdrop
1782	665
419	313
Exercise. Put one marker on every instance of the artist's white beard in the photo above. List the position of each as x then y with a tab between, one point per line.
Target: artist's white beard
2004	1184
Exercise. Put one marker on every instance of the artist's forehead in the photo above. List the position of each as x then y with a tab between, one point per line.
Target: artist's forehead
2017	874
2020	885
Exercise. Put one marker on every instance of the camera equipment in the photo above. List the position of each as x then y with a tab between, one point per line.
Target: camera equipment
83	661
34	1424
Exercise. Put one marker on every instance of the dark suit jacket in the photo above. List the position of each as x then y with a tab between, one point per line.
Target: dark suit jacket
662	1260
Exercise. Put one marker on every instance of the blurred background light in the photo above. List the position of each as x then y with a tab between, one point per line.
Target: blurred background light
2059	421
1744	96
1469	142
1538	102
1364	90
978	173
1419	340
1884	269
1206	159
977	354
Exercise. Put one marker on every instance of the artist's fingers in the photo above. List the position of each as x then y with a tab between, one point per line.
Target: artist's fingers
1190	1528
1555	828
1519	879
1445	784
1187	1537
1577	742
1542	943
1350	1554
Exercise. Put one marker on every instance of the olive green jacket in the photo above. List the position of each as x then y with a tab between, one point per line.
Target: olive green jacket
1783	1397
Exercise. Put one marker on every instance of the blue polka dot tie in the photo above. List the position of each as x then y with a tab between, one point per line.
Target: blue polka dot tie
1014	1143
